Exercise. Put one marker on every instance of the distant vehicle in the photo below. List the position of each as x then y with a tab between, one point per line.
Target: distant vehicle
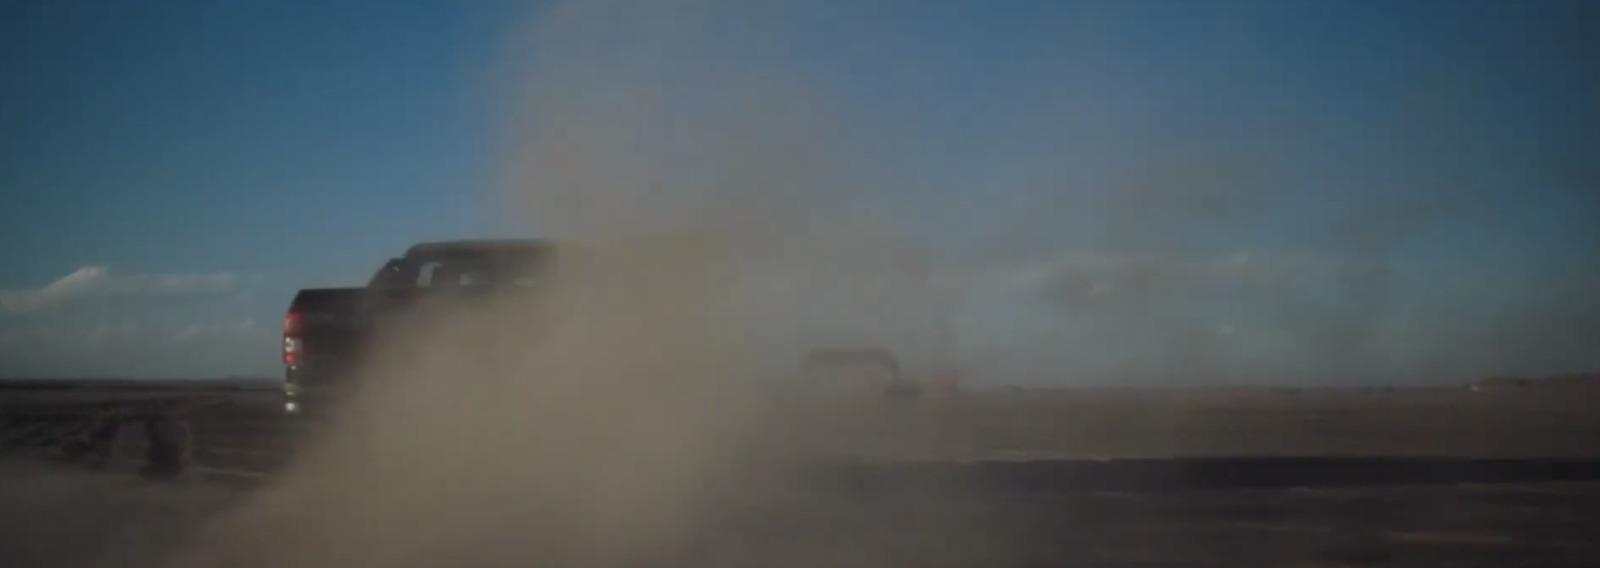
327	331
871	370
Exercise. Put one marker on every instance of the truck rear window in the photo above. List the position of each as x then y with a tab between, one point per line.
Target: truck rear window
462	270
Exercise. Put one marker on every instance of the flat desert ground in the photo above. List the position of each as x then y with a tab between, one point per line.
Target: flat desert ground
60	516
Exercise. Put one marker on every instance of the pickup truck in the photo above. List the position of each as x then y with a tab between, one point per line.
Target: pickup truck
328	331
873	369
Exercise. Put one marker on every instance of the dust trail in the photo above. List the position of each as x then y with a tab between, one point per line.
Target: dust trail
613	419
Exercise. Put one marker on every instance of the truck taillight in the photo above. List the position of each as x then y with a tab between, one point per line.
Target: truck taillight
291	324
291	351
291	339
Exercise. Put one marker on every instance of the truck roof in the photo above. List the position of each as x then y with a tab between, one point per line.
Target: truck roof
852	356
479	246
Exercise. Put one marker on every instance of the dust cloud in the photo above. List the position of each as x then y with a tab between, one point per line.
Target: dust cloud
612	420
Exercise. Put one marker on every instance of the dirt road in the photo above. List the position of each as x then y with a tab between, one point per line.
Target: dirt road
1427	510
56	516
64	517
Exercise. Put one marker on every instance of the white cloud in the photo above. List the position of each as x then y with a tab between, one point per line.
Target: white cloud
111	332
92	283
132	349
199	331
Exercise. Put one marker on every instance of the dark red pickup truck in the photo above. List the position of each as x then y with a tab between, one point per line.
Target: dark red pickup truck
327	331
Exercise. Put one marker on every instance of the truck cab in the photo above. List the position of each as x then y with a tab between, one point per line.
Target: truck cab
327	331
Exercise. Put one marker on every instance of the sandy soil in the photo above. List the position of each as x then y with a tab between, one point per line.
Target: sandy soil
56	517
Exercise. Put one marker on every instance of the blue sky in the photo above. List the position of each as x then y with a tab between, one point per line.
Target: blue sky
1245	191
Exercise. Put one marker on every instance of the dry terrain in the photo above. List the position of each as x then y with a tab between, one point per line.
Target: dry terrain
1446	511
